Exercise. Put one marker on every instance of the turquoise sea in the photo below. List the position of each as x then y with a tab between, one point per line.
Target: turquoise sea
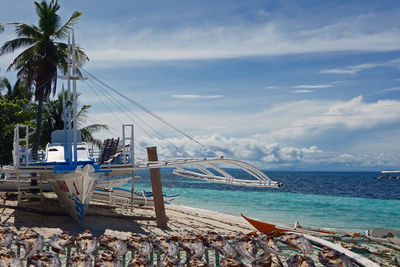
341	201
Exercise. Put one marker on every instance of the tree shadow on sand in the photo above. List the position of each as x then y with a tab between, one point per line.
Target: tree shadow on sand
98	219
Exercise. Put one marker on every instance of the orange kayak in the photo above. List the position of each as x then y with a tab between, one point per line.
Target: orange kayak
267	228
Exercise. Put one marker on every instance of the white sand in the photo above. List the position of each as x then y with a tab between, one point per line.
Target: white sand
98	221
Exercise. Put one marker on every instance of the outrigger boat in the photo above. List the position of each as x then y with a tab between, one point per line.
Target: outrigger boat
143	198
73	174
67	167
268	228
312	235
10	182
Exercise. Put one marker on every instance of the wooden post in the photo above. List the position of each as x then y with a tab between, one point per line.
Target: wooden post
157	190
133	188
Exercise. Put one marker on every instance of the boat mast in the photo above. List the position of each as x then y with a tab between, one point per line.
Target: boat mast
67	107
74	75
71	127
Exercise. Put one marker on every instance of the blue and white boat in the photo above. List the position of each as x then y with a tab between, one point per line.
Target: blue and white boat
72	180
67	167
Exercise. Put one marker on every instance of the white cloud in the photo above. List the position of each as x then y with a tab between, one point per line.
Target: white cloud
353	69
351	115
357	68
300	91
392	89
315	86
266	155
231	41
197	96
247	149
280	122
275	135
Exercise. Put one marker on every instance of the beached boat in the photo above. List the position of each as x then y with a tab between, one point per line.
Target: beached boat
311	235
389	175
67	166
72	180
73	174
9	182
268	228
143	198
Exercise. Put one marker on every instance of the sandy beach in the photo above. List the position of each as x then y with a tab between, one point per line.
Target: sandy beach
118	221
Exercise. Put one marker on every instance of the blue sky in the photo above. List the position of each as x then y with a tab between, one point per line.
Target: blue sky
291	85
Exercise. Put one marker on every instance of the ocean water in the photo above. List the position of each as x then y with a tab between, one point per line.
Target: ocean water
341	201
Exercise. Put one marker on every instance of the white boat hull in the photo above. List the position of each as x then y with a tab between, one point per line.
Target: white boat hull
74	190
11	184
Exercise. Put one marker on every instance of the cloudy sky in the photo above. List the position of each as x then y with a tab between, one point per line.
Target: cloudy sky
290	85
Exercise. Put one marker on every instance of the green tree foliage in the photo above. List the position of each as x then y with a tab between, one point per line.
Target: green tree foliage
52	120
18	91
16	108
18	111
44	55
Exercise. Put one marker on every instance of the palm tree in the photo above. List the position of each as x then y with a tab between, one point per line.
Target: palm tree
45	55
18	91
53	120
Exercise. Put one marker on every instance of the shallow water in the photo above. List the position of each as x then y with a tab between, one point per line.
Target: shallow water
342	201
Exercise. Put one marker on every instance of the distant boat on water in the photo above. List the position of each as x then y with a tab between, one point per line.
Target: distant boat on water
395	175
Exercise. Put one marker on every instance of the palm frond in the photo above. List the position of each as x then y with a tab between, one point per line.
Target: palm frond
26	56
63	31
81	56
25	30
95	128
62	49
5	83
87	133
83	112
11	46
49	20
1	27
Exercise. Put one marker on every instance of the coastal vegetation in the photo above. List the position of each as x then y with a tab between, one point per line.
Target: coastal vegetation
52	120
17	102
37	66
44	55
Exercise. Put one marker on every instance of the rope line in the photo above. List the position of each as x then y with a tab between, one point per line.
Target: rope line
114	101
142	107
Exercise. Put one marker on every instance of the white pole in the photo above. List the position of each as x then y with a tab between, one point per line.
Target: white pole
68	107
74	98
133	168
